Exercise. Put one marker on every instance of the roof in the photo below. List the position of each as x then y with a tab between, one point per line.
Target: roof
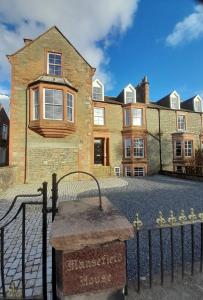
54	80
111	100
51	28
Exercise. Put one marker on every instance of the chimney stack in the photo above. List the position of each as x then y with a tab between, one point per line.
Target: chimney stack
143	90
27	41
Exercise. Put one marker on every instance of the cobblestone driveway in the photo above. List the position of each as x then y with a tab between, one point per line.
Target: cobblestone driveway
144	195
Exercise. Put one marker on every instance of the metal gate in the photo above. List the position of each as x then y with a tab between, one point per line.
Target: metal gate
5	294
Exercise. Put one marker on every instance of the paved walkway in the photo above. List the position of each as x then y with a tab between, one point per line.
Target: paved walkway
144	195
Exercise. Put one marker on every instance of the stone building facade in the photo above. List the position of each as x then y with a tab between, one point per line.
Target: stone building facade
61	120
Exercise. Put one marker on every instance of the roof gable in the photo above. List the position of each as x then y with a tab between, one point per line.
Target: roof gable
43	34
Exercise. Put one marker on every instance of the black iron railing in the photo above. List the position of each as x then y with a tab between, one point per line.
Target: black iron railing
183	234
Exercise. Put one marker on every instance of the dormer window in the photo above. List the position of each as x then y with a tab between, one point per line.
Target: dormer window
129	94
97	90
197	104
54	64
175	101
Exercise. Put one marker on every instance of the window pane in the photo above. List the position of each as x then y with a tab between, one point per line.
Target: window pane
128	171
181	122
58	97
36	104
137	116
188	148
54	64
129	97
99	116
138	148
48	111
128	148
127	117
178	148
97	93
58	112
139	171
70	107
53	104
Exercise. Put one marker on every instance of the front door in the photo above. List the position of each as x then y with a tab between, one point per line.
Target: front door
99	151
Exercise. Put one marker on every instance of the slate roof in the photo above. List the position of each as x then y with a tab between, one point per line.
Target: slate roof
53	80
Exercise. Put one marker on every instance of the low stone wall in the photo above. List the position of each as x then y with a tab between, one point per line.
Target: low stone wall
7	177
182	175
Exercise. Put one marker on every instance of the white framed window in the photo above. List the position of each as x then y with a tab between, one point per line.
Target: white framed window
36	104
4	132
97	90
137	116
175	101
178	148
138	148
98	116
127	117
128	171
70	107
127	148
197	104
117	171
139	171
181	122
129	94
53	104
188	148
54	63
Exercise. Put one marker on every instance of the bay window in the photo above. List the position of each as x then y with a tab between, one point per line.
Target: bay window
127	148
138	148
53	104
52	110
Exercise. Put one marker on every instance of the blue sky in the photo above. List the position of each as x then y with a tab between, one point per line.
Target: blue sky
123	39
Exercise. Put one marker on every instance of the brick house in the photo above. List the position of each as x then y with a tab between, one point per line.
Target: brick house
4	138
65	122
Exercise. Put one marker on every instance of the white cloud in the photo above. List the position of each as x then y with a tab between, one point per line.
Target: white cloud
188	29
84	23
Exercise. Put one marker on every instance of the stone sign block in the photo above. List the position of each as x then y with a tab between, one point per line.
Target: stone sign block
91	269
